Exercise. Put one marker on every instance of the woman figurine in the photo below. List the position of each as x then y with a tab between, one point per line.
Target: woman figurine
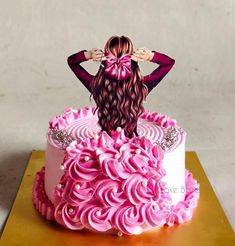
119	88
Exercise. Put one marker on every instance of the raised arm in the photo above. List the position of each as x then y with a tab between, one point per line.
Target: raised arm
165	62
81	73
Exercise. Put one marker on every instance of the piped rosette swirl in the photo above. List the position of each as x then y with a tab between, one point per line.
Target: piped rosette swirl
113	183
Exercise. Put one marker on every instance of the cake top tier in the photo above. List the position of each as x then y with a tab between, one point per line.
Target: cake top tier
81	123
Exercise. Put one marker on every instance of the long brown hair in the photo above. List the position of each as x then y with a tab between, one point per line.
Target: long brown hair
119	102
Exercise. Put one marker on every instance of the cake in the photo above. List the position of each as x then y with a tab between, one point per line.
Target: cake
119	169
111	183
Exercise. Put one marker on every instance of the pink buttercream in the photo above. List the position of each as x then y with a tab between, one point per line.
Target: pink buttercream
98	214
159	119
39	197
73	191
110	165
153	215
137	190
113	182
69	115
118	187
66	215
128	220
183	211
79	168
95	217
109	192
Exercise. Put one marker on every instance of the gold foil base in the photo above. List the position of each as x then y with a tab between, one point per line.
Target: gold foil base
209	225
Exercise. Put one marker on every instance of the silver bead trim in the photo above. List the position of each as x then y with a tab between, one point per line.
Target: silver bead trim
170	137
61	137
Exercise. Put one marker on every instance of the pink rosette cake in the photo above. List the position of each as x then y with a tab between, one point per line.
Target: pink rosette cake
114	184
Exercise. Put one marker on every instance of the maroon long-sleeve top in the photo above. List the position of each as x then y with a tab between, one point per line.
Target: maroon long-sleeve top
151	80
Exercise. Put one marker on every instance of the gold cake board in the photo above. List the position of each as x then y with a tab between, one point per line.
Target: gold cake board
209	225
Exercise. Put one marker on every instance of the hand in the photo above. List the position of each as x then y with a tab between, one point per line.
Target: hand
142	54
96	54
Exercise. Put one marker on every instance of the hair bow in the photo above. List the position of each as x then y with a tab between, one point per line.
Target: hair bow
118	67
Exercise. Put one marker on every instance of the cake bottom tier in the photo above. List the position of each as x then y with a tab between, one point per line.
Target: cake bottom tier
130	220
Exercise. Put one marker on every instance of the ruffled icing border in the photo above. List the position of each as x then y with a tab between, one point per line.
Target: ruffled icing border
179	213
40	199
69	115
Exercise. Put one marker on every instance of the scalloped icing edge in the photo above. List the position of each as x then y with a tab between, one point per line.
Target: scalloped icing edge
40	200
69	115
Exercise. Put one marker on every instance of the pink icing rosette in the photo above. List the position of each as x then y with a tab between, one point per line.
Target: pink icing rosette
128	220
109	163
74	192
81	162
111	180
90	216
68	215
137	190
141	156
110	192
95	217
153	215
114	183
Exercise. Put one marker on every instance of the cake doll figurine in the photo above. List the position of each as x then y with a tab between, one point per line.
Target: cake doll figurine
116	167
119	88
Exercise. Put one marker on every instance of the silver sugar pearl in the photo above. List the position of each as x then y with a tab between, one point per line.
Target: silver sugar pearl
77	186
119	129
98	213
117	156
137	151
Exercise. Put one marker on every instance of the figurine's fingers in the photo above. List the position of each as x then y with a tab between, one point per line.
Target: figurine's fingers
94	50
138	51
145	50
133	57
142	50
94	53
98	53
139	55
139	59
98	56
146	53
